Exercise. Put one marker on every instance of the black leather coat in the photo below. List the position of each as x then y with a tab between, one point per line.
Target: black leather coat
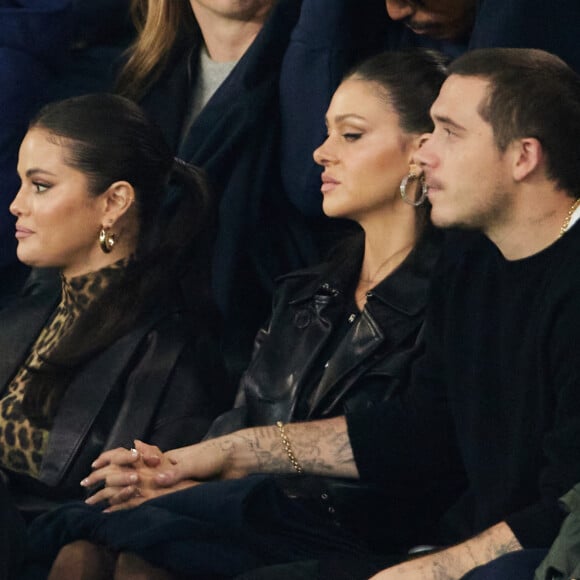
298	373
145	385
367	365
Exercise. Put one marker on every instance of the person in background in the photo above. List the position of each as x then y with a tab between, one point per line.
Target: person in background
333	34
26	70
208	74
108	352
341	336
102	31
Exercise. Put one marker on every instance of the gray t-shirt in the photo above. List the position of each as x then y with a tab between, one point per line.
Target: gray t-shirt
210	76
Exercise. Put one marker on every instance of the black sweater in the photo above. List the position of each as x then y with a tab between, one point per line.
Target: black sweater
495	401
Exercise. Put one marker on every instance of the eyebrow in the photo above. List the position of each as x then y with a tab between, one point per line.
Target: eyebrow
341	118
448	121
34	170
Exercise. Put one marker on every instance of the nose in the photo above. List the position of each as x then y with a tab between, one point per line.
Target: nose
17	205
323	155
399	9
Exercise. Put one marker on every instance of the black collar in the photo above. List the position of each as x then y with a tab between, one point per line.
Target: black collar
405	290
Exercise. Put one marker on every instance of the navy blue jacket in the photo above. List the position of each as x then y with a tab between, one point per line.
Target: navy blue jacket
33	38
236	139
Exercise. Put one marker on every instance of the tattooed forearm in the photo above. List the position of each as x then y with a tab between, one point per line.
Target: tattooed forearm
320	447
504	546
440	572
264	446
454	562
323	447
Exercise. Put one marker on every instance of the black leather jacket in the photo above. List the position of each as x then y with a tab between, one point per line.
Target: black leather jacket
145	385
298	372
291	359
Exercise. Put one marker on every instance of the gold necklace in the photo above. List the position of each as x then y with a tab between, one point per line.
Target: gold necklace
568	217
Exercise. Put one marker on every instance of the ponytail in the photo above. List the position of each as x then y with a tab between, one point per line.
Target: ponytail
173	259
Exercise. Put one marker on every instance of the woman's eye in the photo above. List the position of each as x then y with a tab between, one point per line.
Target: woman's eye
351	136
40	187
448	132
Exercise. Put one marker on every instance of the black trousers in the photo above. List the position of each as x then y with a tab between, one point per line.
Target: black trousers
218	529
335	569
13	543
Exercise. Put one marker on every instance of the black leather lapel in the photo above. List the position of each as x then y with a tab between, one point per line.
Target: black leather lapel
361	341
20	325
82	402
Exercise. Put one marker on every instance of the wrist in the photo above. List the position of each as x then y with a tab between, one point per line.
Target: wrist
257	450
239	453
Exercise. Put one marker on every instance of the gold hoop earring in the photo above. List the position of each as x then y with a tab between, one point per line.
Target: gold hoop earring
106	240
412	176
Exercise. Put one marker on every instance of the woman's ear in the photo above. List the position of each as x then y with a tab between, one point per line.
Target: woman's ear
118	198
424	138
416	144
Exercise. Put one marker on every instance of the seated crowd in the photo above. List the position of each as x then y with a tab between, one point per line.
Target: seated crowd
408	407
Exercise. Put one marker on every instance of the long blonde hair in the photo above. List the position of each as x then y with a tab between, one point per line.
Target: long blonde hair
159	24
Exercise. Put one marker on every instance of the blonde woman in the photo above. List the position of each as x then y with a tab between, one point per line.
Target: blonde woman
207	72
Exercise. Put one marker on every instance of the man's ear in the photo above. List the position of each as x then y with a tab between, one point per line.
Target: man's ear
528	155
118	198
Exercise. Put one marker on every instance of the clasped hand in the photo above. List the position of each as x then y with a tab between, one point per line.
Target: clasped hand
132	476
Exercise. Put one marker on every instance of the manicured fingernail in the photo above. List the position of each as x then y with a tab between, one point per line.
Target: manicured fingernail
133	478
85	482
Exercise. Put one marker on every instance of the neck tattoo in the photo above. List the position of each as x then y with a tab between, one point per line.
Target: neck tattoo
566	222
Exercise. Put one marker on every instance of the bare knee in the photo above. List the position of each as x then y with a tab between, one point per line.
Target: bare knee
82	560
132	567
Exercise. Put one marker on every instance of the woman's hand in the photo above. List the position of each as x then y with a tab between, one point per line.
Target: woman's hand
129	476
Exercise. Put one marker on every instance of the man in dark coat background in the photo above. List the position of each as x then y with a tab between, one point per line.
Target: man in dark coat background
33	38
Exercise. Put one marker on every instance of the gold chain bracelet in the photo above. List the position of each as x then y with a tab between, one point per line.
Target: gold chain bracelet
288	448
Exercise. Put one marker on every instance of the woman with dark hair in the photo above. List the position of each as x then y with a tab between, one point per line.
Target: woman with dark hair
108	354
340	336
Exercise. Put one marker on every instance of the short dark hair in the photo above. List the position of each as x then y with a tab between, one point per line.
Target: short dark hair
532	93
410	80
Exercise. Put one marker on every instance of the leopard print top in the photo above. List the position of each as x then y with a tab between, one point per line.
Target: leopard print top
22	445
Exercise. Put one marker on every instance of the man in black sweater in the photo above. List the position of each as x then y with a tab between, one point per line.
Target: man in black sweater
494	404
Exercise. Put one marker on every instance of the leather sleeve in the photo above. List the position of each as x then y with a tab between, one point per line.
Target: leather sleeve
186	409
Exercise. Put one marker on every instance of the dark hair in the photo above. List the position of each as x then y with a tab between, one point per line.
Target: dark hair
532	93
109	138
410	81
